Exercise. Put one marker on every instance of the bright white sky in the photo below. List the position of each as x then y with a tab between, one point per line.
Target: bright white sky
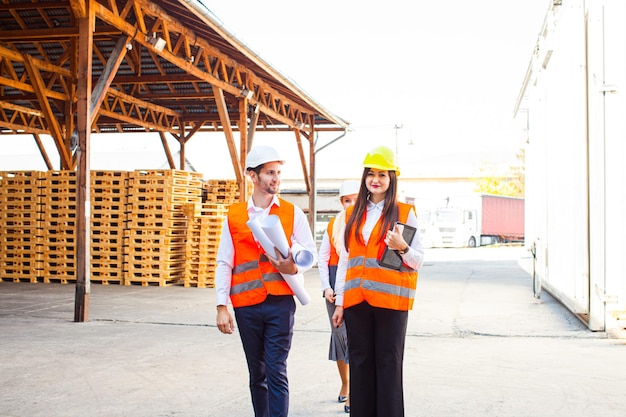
447	71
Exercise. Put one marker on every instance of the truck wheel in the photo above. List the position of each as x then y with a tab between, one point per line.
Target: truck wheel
472	242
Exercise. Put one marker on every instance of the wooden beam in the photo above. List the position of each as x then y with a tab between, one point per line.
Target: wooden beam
166	148
51	121
80	9
271	101
225	120
243	143
83	184
53	34
312	181
43	152
42	65
104	82
254	119
305	171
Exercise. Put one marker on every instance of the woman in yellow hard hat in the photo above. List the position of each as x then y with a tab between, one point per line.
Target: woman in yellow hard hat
328	257
375	297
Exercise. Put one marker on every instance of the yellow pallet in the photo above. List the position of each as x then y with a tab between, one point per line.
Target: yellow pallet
59	174
199	283
111	192
20	175
222	199
165	173
156	214
108	178
158	224
17	276
147	233
106	231
160	278
19	198
19	190
170	191
20	254
154	206
59	275
154	241
106	277
31	206
164	181
154	262
21	223
155	198
17	233
67	200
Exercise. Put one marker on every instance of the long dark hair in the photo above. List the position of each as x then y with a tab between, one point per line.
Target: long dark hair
389	215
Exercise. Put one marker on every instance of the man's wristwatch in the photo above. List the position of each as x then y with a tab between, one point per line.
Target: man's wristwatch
403	251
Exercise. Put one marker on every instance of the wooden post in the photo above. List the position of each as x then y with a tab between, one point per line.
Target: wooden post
83	209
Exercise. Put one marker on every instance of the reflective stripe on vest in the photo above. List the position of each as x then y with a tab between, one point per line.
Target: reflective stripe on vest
367	281
253	276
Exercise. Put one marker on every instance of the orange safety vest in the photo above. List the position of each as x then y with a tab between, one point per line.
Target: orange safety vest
254	277
379	286
334	256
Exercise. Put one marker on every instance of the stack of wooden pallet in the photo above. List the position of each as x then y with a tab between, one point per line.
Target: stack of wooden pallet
20	226
156	231
203	236
108	222
222	191
139	232
58	201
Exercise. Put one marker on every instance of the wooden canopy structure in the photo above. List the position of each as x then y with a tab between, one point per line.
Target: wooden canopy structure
69	68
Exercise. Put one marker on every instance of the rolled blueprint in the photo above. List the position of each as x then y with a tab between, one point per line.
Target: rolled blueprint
276	230
298	289
273	229
267	245
302	256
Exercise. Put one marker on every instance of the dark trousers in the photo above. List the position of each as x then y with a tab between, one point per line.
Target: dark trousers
266	331
376	337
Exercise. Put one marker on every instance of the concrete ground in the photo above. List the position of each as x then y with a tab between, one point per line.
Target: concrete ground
478	344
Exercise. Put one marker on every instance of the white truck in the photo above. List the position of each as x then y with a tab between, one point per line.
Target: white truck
473	221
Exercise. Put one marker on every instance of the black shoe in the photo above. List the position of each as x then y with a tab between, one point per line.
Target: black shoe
346	408
342	398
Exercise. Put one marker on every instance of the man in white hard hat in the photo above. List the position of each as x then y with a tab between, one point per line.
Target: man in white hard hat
262	301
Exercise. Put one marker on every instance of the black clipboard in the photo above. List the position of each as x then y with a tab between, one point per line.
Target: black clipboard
391	258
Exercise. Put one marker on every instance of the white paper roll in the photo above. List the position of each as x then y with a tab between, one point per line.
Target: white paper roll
267	245
301	256
298	289
277	232
273	229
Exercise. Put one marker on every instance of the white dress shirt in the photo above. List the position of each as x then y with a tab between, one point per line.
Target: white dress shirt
414	257
322	261
226	252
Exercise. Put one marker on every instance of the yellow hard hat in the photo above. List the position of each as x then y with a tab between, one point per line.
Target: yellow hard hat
381	157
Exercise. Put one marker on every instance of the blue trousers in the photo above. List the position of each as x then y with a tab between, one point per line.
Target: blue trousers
266	331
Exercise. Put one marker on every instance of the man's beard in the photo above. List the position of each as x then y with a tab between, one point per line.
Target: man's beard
271	189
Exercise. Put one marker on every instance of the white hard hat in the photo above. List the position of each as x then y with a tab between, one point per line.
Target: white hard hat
349	187
260	155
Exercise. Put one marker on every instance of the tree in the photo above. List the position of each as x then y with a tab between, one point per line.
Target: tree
510	184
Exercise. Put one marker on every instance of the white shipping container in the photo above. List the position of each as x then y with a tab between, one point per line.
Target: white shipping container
573	97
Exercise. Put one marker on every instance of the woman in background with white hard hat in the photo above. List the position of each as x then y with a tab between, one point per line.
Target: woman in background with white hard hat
375	299
327	265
